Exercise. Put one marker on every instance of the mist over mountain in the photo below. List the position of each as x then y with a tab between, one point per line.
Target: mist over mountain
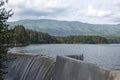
63	28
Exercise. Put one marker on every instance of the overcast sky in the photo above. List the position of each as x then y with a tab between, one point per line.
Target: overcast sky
89	11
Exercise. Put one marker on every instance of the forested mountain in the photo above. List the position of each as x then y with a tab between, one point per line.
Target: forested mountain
62	28
22	36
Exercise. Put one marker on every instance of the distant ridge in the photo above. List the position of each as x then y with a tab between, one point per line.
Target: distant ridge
62	28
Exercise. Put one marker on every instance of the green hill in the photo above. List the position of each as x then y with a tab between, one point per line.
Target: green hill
62	28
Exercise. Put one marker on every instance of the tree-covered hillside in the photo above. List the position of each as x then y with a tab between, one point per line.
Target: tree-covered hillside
24	36
62	28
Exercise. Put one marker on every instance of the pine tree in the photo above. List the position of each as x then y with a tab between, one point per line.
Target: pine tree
5	36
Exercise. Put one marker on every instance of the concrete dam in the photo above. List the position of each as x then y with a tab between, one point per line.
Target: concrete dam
36	67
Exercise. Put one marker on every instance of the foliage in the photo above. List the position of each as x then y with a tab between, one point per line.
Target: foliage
83	39
23	37
113	38
20	34
35	37
5	36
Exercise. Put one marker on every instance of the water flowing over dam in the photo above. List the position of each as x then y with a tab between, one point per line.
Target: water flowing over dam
36	67
29	67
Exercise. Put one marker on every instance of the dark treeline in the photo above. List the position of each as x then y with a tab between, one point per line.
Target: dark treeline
83	39
113	38
23	36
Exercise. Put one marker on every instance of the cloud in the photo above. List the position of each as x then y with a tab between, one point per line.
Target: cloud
41	13
90	11
115	17
37	8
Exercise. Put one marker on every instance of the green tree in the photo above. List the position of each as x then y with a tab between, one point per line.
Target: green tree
5	36
20	34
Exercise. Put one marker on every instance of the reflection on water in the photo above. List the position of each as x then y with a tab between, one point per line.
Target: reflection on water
106	55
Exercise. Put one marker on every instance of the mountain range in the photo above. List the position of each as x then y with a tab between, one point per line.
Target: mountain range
63	28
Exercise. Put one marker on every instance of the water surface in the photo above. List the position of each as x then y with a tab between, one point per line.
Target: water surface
105	55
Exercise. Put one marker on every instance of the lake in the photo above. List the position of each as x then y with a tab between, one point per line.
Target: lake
104	55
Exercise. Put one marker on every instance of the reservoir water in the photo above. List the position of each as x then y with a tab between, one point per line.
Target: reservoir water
104	55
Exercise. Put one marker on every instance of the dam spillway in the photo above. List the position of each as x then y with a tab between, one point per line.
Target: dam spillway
29	67
36	67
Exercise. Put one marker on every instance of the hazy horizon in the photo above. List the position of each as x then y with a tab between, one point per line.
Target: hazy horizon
68	21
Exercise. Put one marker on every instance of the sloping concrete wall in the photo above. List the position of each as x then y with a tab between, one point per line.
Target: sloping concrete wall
71	69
